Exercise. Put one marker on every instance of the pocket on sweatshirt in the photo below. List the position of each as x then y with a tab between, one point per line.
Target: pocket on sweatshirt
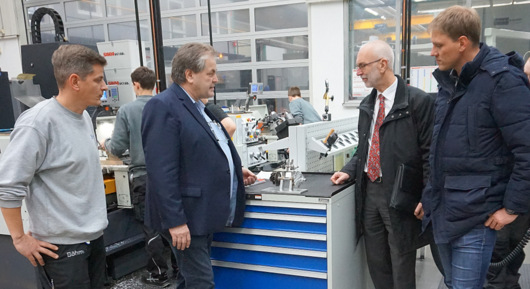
465	196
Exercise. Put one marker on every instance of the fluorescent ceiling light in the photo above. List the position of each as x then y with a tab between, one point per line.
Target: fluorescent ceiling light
480	6
371	11
431	11
521	2
502	4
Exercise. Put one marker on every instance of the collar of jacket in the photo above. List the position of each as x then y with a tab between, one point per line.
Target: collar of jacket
191	107
401	99
488	59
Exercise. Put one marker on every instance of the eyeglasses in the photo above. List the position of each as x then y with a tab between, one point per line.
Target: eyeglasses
363	65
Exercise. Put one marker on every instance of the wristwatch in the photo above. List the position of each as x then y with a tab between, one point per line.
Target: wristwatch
510	212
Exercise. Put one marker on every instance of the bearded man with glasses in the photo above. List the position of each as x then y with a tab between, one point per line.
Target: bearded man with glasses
395	126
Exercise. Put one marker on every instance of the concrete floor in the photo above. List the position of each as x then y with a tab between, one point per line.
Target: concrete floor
17	273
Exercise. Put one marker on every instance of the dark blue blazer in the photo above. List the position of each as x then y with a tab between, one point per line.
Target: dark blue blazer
188	174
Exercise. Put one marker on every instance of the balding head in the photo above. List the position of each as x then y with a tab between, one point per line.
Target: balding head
380	49
375	61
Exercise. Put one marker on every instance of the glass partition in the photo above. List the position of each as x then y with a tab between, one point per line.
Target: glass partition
370	20
282	48
281	17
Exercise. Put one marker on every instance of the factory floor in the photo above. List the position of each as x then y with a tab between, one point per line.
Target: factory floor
17	273
427	275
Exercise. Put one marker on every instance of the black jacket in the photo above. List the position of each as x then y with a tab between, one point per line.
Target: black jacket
480	156
405	137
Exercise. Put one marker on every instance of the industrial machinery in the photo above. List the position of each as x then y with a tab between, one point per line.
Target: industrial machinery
123	57
311	149
287	178
247	140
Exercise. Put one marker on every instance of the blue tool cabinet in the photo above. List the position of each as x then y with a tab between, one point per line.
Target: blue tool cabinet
292	241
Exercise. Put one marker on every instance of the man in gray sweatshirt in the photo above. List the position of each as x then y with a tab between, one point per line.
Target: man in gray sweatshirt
302	111
52	163
127	135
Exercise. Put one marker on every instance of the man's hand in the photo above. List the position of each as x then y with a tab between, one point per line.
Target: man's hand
499	219
248	177
102	145
32	248
418	212
339	178
180	236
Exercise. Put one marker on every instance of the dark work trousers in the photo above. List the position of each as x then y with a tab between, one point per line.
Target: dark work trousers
507	277
79	266
157	263
195	266
389	268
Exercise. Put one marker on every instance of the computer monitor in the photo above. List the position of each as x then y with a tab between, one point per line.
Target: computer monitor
256	88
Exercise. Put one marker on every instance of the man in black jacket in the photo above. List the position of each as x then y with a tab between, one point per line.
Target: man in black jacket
395	126
480	155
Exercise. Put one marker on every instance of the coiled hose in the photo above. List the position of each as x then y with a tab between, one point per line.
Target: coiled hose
518	250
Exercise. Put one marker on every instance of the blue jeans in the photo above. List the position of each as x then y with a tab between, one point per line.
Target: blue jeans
466	259
195	266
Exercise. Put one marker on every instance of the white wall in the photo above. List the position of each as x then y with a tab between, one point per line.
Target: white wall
328	22
12	36
10	59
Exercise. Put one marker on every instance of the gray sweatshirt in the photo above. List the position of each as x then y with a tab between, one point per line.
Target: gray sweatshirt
303	111
52	162
128	134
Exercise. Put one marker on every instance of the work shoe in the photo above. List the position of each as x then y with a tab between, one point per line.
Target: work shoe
156	280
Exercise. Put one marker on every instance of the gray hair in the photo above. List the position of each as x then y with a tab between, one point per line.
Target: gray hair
191	56
381	49
74	59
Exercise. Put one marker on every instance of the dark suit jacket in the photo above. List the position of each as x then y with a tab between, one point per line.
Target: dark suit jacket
405	138
188	174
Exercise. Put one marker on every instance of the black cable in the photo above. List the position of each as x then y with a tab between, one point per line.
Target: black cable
518	250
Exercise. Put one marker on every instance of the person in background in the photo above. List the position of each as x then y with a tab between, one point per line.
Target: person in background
52	162
395	125
302	111
195	184
507	277
480	177
127	135
221	115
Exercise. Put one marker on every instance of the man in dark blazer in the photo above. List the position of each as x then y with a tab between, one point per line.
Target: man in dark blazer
195	182
395	126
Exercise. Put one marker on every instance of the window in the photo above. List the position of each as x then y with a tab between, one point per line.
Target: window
504	26
218	2
125	7
88	35
226	22
282	48
233	81
371	20
127	30
179	27
233	51
283	78
83	10
281	17
176	4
